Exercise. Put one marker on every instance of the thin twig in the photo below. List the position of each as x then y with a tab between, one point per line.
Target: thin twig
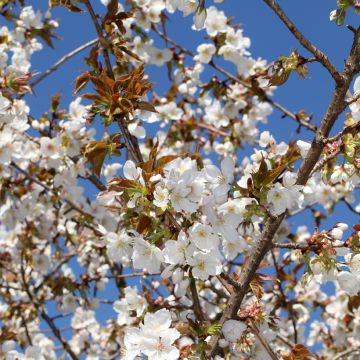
287	342
273	223
28	337
353	99
58	335
101	38
283	295
347	130
65	259
43	314
197	307
344	354
350	207
61	61
237	80
262	340
47	188
321	163
320	56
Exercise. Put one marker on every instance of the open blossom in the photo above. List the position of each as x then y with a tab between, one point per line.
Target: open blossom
184	184
161	197
355	106
51	148
170	111
353	262
205	264
136	130
349	282
203	237
176	252
220	180
119	245
146	256
216	21
158	57
233	329
154	338
205	53
130	304
304	147
282	198
214	115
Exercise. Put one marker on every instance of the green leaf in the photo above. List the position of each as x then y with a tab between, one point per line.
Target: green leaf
214	329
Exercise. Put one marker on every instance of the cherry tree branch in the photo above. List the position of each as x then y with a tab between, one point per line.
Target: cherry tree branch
197	307
344	354
61	61
287	342
44	316
273	223
350	207
47	188
347	130
319	55
101	38
321	163
58	335
262	340
228	75
283	295
355	98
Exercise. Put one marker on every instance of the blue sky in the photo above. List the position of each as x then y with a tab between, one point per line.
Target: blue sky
270	39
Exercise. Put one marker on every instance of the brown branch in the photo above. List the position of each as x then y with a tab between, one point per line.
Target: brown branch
291	115
27	333
321	163
347	130
123	276
66	258
320	56
95	181
287	342
350	207
283	295
344	354
355	98
273	223
262	340
47	188
238	80
128	143
61	61
173	221
101	38
197	306
43	314
58	335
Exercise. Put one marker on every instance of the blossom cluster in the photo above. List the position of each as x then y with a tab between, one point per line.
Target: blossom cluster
146	265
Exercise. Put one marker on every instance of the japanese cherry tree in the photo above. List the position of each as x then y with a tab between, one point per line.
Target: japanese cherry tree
191	248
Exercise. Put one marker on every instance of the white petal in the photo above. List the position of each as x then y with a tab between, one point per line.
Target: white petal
233	329
199	20
357	85
228	167
130	170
